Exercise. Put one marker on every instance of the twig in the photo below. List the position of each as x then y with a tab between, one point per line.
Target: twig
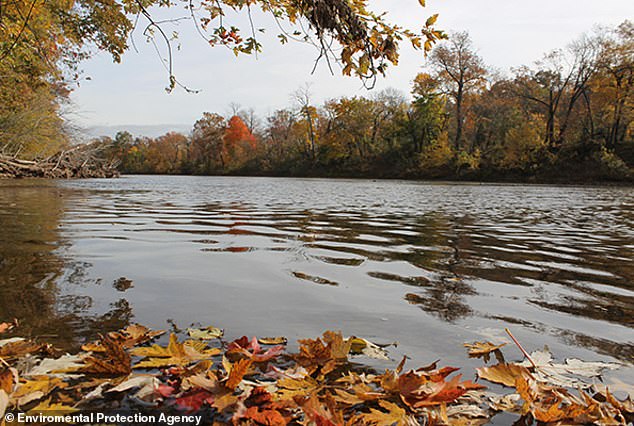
528	357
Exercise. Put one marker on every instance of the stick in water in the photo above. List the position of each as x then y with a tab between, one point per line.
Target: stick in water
528	357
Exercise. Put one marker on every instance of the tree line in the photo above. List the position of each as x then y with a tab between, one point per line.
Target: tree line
44	42
569	115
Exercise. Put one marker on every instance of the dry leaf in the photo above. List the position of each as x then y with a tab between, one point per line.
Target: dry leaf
174	354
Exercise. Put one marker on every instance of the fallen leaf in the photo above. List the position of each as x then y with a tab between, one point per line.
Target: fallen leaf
324	354
59	367
251	349
36	388
193	401
113	361
395	415
46	408
18	348
559	374
504	374
237	372
484	350
288	387
146	383
360	346
174	354
207	333
272	340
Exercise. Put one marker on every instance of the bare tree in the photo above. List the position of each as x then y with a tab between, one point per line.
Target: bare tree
303	98
460	71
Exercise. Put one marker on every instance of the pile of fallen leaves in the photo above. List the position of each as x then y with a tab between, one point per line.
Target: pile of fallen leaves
256	382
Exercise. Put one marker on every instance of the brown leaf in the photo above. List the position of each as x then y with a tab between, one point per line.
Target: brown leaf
237	372
175	353
114	361
484	350
128	337
505	374
20	348
7	380
324	354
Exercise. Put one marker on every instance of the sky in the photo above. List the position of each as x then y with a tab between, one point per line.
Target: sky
506	33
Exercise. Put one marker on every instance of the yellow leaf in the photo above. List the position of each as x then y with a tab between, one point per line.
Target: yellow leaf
38	388
395	415
289	387
174	354
207	333
505	374
45	407
273	340
431	20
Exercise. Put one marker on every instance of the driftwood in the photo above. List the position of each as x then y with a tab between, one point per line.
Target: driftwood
82	161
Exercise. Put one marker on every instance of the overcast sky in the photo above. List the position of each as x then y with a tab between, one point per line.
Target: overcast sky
507	33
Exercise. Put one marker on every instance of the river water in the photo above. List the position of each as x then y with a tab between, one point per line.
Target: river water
427	265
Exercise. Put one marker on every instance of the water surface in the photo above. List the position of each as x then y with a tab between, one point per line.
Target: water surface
429	266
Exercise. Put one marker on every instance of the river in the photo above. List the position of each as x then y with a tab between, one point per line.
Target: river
426	265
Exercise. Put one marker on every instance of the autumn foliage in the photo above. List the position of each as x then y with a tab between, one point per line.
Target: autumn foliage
252	381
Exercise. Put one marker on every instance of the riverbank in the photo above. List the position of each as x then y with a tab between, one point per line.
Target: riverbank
82	161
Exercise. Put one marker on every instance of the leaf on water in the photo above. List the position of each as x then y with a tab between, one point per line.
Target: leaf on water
484	350
45	407
324	354
236	372
16	348
360	346
207	333
147	385
503	373
322	414
59	367
128	337
113	361
243	347
37	388
193	401
272	340
175	353
288	387
559	374
395	415
134	335
509	403
262	409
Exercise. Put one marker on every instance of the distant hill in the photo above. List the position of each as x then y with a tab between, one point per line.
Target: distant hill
151	131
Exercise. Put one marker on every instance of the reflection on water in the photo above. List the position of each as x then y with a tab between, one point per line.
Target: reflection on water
431	265
32	272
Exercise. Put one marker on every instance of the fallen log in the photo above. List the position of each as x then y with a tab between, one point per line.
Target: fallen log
82	161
